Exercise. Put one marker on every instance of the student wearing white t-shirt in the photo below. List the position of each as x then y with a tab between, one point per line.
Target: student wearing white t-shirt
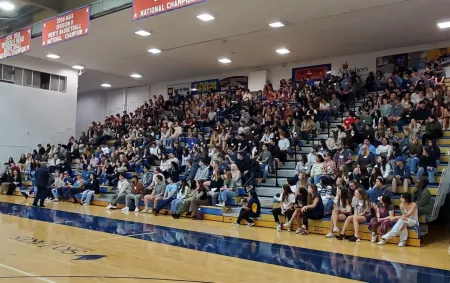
287	200
361	208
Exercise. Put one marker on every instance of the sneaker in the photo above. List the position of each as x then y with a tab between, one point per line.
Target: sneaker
286	225
86	204
340	237
109	206
136	209
354	239
374	238
329	235
381	242
289	229
56	200
386	237
235	223
222	204
113	207
298	231
145	210
125	209
251	224
402	244
279	227
336	229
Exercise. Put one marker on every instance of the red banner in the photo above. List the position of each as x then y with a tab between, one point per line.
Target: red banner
66	26
15	43
147	8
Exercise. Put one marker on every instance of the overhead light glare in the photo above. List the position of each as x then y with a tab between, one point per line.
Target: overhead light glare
194	89
225	60
276	25
143	33
53	56
154	51
136	76
78	67
283	51
7	6
205	17
105	85
444	25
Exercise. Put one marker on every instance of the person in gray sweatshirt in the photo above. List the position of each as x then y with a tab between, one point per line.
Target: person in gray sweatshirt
123	188
202	171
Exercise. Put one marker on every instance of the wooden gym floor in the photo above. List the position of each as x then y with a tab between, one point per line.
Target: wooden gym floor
71	243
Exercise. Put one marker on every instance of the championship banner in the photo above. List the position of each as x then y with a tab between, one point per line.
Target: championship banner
316	73
66	26
181	89
15	43
234	83
147	8
205	86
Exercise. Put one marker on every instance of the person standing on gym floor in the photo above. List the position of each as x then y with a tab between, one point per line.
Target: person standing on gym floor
42	177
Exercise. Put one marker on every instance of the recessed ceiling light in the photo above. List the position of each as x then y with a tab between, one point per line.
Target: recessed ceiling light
444	25
78	67
283	51
105	85
276	25
53	56
136	76
154	51
194	89
7	6
142	33
225	60
205	17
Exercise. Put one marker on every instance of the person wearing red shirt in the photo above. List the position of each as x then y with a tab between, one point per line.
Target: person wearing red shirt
350	120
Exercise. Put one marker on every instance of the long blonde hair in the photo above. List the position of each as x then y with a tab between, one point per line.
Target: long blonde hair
235	173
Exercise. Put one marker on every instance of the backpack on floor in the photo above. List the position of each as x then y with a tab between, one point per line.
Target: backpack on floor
199	215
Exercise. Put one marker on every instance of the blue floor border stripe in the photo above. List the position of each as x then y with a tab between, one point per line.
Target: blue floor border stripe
321	262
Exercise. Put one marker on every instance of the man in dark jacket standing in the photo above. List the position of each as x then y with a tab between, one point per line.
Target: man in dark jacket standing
42	177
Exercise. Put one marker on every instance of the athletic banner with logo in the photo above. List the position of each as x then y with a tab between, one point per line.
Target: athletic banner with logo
316	73
205	86
147	8
413	63
15	43
234	83
181	89
66	26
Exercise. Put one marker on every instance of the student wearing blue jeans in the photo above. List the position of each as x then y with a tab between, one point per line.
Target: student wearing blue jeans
427	163
169	196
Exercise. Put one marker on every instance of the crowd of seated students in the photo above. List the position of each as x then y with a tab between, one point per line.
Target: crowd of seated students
208	146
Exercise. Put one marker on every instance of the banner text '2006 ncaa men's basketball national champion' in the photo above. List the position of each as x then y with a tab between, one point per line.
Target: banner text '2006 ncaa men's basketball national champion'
148	8
66	26
15	43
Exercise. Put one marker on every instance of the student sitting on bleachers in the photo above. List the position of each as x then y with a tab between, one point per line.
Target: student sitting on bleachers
402	175
379	190
92	186
181	196
75	188
385	214
157	191
200	198
422	197
123	188
56	187
341	210
136	194
287	201
409	218
427	164
250	209
300	201
169	195
361	207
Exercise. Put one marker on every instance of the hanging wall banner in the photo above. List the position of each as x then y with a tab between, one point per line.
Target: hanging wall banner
315	73
15	43
147	8
66	26
205	86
